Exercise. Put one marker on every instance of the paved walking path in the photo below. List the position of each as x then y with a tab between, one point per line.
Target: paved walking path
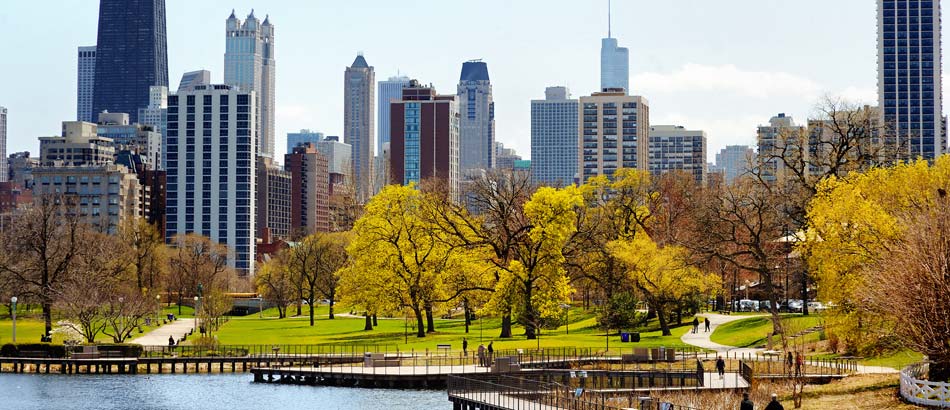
702	339
159	336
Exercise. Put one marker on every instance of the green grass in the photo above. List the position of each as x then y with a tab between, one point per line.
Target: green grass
897	360
753	331
581	332
28	330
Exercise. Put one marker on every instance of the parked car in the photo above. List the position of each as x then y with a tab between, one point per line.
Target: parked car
816	306
795	305
746	305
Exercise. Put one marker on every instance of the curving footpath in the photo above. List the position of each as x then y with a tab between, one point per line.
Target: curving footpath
159	336
702	339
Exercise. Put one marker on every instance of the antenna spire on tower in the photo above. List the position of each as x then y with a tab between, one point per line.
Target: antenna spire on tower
608	19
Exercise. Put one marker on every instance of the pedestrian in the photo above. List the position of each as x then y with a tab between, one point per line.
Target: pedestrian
491	353
171	341
481	355
721	367
746	403
774	404
695	324
799	362
464	347
707	324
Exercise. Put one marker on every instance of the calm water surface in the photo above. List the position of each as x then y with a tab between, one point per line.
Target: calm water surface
192	392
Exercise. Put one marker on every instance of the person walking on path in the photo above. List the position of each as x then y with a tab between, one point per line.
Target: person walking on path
721	367
707	324
789	362
774	404
695	324
746	403
799	362
481	355
464	347
171	341
491	353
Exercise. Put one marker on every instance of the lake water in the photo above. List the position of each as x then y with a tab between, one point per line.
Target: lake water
194	392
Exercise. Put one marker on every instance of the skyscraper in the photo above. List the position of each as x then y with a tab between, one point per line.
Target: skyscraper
614	133
909	75
296	138
130	55
359	97
155	116
309	190
675	148
780	135
211	169
4	173
554	138
273	200
477	122
614	62
249	64
192	78
734	160
425	138
390	89
85	80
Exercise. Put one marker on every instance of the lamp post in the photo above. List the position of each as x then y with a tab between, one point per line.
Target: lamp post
197	301
567	318
787	240
13	302
260	306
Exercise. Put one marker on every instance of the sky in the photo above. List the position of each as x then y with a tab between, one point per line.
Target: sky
720	66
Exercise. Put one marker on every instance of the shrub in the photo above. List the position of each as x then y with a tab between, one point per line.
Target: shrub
44	349
9	350
122	349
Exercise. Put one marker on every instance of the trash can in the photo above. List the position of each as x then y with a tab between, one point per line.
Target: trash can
635	337
625	337
171	317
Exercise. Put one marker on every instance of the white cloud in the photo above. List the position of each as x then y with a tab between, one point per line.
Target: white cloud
859	95
726	79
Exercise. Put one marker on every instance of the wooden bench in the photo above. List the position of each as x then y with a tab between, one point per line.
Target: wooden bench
443	346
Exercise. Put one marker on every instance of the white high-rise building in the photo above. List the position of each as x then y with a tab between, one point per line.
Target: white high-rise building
85	83
211	169
614	133
249	64
154	115
614	62
389	90
675	148
734	160
554	138
477	118
4	172
359	98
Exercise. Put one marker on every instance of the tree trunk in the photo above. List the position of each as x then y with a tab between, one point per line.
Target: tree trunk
940	371
664	324
47	313
468	315
331	309
311	311
506	325
375	322
420	323
300	304
530	320
430	320
369	322
804	293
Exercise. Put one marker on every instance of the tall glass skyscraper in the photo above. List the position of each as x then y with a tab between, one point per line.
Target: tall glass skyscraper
389	90
477	123
614	62
554	138
85	79
359	98
130	55
909	75
249	63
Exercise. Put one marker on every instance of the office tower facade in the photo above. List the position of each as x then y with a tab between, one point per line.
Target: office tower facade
675	148
359	98
909	75
339	157
297	138
211	169
505	157
389	90
78	145
781	134
249	64
554	138
130	55
309	190
4	170
614	133
21	168
85	82
154	114
734	161
477	117
135	138
273	200
424	143
80	165
194	78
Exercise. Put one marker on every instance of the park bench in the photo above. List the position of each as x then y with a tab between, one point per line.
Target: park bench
88	352
506	364
640	354
379	360
34	354
444	347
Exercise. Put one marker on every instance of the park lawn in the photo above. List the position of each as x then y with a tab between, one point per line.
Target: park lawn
754	331
391	333
28	330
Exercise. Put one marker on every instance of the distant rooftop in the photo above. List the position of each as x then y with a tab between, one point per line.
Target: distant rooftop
474	70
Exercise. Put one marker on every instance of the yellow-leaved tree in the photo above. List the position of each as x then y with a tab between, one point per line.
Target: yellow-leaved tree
534	283
663	275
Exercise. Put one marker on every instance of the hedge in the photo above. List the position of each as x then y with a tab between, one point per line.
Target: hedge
46	350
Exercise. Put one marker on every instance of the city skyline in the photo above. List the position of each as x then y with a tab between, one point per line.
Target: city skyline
679	73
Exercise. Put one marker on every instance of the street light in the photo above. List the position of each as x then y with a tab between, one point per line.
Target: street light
567	318
13	302
260	305
197	301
